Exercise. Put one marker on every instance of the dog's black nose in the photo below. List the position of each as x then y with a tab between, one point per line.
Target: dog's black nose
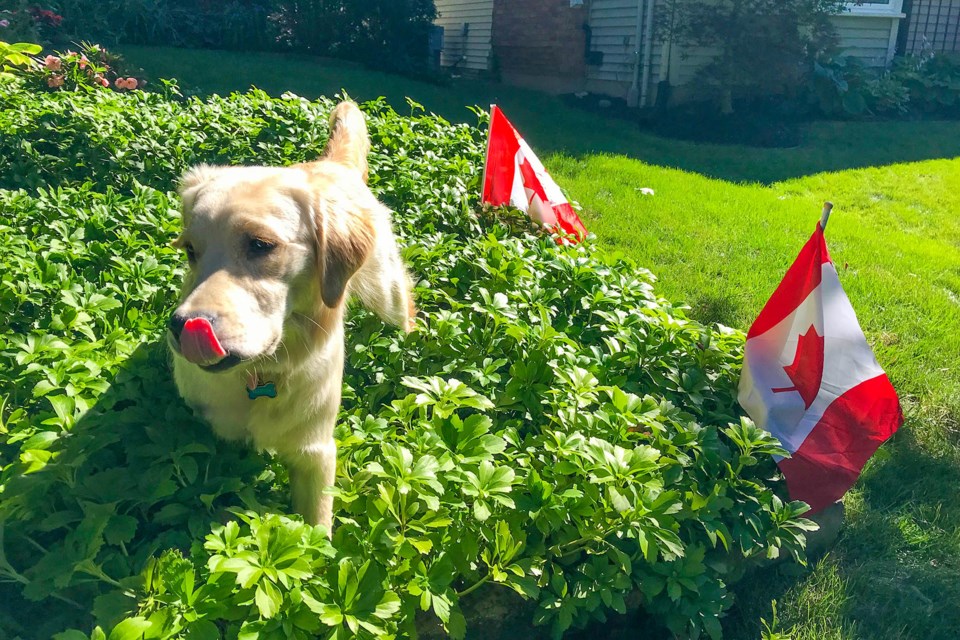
176	324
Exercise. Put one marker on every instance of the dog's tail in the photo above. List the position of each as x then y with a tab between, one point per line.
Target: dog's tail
349	142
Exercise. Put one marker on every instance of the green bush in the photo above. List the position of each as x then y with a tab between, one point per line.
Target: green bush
25	21
758	47
234	24
384	33
553	427
913	86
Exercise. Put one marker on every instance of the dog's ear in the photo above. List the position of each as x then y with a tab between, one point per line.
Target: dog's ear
345	241
349	142
192	182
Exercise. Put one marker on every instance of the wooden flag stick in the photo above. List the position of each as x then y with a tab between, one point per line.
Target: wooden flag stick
827	208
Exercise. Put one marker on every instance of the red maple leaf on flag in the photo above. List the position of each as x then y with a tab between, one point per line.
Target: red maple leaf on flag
806	372
531	181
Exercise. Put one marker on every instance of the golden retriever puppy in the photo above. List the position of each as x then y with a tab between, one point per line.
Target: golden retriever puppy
257	338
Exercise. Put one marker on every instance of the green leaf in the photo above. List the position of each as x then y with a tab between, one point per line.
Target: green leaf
712	626
619	502
27	48
129	629
202	630
331	615
457	625
388	606
481	511
268	599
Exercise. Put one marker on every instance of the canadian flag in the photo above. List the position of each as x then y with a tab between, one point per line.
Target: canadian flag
810	378
514	175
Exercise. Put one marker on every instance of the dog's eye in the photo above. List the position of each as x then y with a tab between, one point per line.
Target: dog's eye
191	253
258	247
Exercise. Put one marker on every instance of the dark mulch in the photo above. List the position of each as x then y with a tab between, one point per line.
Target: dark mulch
762	123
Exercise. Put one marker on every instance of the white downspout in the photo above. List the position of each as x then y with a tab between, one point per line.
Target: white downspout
647	53
633	93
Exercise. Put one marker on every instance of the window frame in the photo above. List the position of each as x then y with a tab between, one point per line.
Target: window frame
890	9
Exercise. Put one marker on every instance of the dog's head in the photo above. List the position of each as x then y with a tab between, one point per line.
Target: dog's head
266	245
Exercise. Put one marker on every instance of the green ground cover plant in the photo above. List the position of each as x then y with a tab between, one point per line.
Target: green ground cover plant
553	429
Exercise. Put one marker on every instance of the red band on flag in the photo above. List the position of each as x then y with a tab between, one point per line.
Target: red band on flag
570	221
502	147
801	279
852	428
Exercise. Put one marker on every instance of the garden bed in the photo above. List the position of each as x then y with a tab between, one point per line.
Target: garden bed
552	428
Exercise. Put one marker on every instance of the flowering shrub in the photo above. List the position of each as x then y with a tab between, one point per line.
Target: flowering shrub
23	20
383	33
553	430
87	69
45	17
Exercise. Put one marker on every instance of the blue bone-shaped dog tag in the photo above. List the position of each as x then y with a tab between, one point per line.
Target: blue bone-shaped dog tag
265	390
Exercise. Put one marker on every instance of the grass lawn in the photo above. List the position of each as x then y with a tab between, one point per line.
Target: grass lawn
721	230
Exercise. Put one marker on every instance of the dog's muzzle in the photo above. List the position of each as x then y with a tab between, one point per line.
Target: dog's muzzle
198	343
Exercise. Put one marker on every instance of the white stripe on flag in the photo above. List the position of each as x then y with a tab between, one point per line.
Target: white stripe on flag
847	361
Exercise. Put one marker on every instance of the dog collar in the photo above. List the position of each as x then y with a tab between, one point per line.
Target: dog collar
257	389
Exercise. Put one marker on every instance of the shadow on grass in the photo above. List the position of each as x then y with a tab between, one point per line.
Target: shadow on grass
906	543
900	545
715	308
137	474
549	124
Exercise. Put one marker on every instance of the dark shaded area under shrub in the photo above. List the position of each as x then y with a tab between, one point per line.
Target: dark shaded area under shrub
764	123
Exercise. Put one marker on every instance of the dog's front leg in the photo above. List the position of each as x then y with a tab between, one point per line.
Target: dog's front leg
311	471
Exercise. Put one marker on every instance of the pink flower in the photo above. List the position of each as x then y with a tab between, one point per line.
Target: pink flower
84	62
52	62
55	81
131	83
4	23
102	81
120	83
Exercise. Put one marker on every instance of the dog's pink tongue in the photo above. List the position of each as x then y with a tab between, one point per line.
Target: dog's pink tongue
199	344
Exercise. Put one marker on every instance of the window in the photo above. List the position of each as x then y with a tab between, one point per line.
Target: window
878	8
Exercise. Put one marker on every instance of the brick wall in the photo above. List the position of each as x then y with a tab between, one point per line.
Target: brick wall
539	37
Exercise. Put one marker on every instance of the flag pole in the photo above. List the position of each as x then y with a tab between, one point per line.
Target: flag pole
486	157
825	217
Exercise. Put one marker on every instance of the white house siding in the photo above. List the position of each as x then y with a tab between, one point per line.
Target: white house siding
613	25
867	32
473	50
870	38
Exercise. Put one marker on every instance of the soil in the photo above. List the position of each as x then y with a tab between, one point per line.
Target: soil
496	613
